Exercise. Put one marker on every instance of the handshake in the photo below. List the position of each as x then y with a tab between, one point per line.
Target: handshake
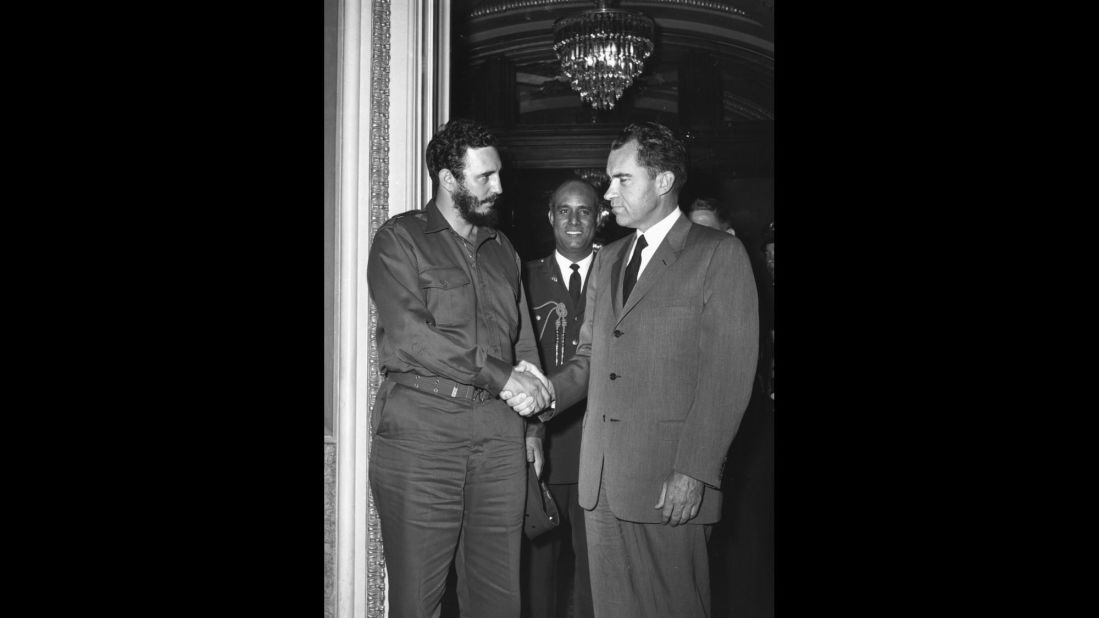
527	390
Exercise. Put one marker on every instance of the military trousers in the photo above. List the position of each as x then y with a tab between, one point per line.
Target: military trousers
449	483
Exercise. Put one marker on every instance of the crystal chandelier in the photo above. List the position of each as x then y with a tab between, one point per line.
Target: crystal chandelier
602	51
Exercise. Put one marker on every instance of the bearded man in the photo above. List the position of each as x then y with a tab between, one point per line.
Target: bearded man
448	459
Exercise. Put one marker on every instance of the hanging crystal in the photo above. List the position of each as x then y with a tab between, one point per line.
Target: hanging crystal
602	51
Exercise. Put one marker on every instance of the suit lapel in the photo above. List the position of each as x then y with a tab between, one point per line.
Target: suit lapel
552	274
618	263
666	255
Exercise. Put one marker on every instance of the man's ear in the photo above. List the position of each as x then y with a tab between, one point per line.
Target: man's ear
665	181
447	180
549	216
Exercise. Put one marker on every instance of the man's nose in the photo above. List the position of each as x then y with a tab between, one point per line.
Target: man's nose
496	185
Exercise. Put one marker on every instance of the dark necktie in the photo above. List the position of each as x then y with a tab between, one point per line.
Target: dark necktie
574	283
632	268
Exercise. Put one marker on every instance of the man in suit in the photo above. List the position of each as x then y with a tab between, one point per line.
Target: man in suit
769	253
666	359
554	287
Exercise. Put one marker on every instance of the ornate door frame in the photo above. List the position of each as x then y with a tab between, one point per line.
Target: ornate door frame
393	74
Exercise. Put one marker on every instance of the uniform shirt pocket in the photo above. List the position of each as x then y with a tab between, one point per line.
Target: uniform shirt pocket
448	294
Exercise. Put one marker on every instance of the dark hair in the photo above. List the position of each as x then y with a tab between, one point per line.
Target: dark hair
658	150
711	204
706	203
447	149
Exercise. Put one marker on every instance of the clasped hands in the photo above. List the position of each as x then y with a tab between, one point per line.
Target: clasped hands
527	390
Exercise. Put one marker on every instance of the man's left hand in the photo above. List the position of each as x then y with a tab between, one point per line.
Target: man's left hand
680	498
534	454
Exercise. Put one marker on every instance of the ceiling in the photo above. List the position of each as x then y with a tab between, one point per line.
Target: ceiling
733	39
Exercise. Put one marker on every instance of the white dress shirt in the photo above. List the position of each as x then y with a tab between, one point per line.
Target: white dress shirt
564	263
653	237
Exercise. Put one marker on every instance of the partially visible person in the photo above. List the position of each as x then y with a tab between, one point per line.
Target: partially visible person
447	464
743	541
555	287
666	358
769	252
708	211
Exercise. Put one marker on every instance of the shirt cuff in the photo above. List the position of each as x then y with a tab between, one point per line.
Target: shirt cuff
549	413
493	376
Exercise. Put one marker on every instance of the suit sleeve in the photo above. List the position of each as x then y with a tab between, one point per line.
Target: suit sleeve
394	285
728	344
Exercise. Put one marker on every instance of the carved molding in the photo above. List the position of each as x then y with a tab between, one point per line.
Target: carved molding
511	5
379	212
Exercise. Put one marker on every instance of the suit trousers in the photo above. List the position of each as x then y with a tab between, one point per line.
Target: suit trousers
544	584
449	482
646	570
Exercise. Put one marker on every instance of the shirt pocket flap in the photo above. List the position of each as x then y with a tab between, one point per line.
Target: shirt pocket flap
443	278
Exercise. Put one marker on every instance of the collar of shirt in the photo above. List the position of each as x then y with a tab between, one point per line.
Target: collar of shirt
653	237
563	264
436	222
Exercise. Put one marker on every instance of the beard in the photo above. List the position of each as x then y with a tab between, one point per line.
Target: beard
467	205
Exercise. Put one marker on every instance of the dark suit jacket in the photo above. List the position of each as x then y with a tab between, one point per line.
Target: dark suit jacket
668	375
546	287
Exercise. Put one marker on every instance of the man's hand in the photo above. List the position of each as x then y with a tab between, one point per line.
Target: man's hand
534	454
525	393
526	401
680	497
526	367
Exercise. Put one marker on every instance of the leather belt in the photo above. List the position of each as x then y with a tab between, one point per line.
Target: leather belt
440	386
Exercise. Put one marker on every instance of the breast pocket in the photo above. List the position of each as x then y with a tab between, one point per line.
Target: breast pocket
448	294
674	322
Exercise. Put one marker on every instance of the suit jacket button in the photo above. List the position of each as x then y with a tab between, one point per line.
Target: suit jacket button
614	376
618	333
